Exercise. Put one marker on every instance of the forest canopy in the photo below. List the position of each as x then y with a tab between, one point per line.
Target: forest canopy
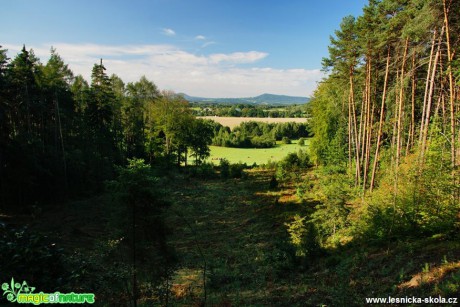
62	136
387	116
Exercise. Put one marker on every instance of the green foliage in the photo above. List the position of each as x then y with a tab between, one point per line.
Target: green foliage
205	171
90	271
378	117
232	170
28	255
421	203
134	109
273	183
62	137
237	170
292	164
303	236
328	144
138	223
224	166
286	140
331	216
199	138
101	110
258	134
304	188
456	70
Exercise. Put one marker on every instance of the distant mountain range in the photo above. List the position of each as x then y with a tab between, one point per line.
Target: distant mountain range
264	99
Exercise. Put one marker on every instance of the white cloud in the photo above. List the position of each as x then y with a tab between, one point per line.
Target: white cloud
169	32
213	75
200	37
237	57
208	44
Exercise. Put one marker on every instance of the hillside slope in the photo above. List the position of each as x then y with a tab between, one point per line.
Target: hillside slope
264	99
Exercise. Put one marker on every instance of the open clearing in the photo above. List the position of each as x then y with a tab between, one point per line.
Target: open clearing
254	155
233	248
234	233
232	122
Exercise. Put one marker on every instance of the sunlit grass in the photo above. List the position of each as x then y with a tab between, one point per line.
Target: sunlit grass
254	155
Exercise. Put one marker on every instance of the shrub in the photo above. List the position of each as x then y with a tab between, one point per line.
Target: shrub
204	171
31	257
290	166
420	203
286	140
331	216
273	183
224	168
237	170
303	236
304	188
263	142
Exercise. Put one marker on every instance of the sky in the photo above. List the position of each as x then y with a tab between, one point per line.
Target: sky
206	48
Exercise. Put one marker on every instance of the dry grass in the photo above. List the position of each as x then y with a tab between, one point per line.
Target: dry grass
232	122
434	275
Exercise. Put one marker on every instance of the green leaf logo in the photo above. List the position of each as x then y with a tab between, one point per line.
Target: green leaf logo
13	289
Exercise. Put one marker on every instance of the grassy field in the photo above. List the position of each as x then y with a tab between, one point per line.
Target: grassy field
232	122
254	155
237	231
233	249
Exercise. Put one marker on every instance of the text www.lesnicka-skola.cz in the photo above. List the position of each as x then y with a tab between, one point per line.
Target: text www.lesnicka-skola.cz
412	300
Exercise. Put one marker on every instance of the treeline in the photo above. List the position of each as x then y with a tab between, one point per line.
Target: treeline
247	110
386	122
62	137
257	134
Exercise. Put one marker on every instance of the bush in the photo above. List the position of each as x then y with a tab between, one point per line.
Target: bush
224	168
304	188
263	142
291	165
237	170
304	159
303	236
421	204
301	142
273	183
228	170
331	216
270	165
31	257
204	171
286	140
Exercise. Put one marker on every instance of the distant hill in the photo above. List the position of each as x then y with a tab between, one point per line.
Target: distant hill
264	99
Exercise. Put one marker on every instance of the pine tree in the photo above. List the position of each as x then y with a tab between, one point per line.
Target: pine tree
100	112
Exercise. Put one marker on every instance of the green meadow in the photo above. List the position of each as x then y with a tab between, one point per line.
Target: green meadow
254	155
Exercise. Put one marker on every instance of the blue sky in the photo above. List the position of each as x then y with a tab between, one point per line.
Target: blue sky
205	48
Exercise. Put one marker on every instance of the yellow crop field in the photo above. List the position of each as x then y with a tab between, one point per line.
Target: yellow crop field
235	121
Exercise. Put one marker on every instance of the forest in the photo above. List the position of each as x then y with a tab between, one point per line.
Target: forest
105	187
254	134
387	117
248	110
63	137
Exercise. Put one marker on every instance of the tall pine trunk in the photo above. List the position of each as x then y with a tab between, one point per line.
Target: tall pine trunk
429	99
410	137
401	103
382	111
451	85
425	96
